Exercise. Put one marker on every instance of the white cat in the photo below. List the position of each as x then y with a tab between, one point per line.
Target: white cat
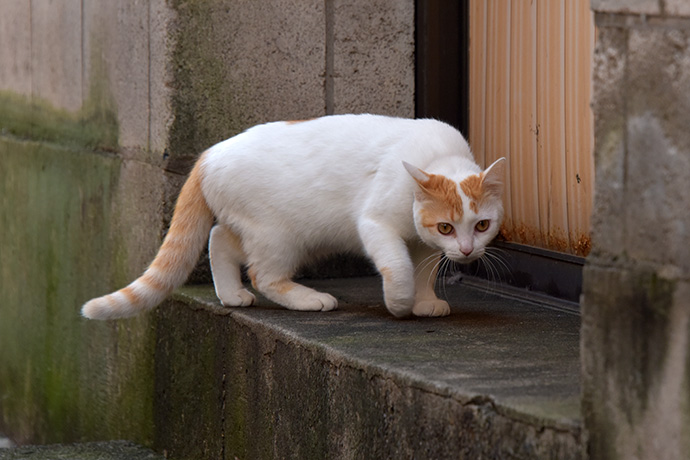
285	193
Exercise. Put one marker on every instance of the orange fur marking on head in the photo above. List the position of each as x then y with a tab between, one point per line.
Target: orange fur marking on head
444	194
472	187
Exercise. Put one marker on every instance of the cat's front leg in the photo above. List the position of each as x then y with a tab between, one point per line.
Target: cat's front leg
426	261
389	253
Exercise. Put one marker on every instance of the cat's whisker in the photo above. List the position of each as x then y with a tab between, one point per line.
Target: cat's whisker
437	274
445	265
434	272
487	267
433	258
498	261
425	263
494	265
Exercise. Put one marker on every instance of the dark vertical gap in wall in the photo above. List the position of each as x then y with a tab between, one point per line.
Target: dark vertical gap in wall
330	61
442	61
442	39
148	71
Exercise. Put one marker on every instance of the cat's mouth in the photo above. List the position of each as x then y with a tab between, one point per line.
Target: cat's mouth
462	258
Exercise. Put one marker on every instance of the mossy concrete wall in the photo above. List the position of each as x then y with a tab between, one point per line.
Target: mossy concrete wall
636	297
104	105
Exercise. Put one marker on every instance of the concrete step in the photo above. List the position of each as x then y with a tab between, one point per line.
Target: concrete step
114	450
498	378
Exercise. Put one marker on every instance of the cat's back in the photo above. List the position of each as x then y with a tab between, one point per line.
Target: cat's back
364	138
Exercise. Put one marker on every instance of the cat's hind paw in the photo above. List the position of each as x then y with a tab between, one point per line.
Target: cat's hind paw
435	307
239	298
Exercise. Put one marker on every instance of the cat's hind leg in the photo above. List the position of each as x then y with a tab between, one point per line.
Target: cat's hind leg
273	281
227	256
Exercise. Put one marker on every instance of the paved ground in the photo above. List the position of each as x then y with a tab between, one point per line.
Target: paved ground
115	450
5	442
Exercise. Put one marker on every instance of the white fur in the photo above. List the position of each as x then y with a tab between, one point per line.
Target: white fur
293	192
286	193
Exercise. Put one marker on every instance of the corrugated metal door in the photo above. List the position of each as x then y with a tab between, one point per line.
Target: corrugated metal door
530	86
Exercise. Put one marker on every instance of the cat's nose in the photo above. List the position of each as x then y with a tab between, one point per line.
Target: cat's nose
465	246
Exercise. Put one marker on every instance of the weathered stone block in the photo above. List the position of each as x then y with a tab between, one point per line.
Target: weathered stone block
373	57
56	54
635	364
627	6
15	47
161	43
116	53
608	105
241	63
658	147
677	7
261	383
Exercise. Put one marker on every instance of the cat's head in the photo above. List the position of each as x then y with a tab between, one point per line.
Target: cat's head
459	217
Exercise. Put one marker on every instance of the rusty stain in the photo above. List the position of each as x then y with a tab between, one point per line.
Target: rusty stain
583	245
555	240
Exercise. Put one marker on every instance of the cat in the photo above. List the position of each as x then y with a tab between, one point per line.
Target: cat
400	191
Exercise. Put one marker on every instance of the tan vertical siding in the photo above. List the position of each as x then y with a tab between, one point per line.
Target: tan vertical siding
530	64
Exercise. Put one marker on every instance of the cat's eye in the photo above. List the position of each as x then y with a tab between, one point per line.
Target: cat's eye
482	225
445	228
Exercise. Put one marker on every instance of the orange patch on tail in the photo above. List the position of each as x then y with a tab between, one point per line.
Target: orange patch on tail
130	294
191	207
151	282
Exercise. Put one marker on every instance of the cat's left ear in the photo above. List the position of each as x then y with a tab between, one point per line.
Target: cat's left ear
416	173
493	178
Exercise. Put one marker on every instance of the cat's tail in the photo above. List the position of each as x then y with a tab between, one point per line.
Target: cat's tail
189	230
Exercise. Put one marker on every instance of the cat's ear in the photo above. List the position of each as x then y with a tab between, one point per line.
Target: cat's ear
416	173
493	178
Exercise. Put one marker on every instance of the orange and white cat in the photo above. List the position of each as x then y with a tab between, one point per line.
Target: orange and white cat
402	192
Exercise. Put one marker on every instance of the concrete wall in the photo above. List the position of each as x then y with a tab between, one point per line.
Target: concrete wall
103	107
636	301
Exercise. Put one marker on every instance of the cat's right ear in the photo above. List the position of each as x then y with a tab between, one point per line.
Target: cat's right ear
416	173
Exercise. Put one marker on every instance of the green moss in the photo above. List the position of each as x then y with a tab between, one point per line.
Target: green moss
94	127
64	378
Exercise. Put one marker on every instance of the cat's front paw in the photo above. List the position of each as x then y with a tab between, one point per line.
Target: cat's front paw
239	298
435	307
400	308
315	301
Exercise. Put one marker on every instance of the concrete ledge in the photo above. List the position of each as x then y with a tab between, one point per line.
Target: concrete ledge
496	379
